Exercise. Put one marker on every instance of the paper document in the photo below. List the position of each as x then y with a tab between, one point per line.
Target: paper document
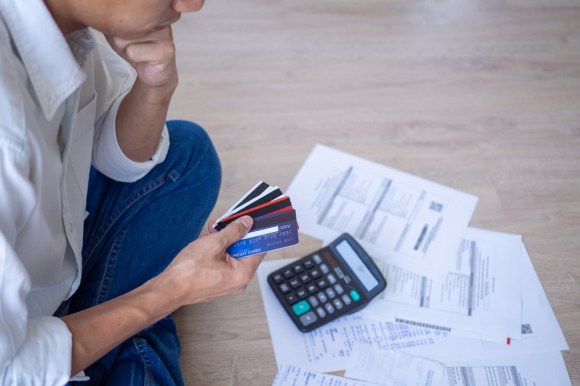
480	298
540	328
392	368
290	375
540	331
329	348
405	220
526	370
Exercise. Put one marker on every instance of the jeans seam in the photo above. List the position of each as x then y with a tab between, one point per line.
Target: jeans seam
138	343
111	262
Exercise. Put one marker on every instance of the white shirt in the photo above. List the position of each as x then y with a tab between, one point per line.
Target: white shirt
56	110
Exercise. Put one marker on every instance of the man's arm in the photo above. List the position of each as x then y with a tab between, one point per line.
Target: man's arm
200	272
142	113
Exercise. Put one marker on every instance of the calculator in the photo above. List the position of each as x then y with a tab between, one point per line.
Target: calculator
338	279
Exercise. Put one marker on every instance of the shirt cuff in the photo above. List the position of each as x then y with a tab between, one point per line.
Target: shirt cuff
46	355
110	160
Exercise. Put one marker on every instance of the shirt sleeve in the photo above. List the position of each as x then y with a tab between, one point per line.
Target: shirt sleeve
113	80
32	350
39	358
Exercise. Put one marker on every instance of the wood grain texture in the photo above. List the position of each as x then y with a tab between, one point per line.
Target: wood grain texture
482	96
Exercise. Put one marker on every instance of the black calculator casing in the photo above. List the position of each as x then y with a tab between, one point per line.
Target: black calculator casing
303	285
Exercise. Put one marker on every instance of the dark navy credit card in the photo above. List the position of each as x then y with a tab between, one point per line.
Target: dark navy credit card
269	232
261	193
263	198
258	211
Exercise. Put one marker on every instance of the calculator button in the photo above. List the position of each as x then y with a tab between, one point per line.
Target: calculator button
331	278
322	283
322	297
288	273
295	283
324	268
312	288
329	308
315	273
301	293
321	313
317	258
284	288
308	318
338	288
291	298
354	295
278	278
330	292
301	307
337	303
308	264
314	301
346	299
298	268
305	278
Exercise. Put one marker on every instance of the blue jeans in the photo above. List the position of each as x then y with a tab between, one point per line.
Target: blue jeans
132	233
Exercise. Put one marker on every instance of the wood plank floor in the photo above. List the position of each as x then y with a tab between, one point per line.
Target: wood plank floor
482	96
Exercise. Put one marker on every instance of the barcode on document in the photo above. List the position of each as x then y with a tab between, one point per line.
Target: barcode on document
426	325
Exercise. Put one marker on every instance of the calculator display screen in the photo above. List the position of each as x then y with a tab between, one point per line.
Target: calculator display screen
357	265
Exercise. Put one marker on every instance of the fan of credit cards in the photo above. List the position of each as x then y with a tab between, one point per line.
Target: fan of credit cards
274	226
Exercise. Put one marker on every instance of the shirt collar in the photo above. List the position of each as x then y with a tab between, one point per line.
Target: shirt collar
51	66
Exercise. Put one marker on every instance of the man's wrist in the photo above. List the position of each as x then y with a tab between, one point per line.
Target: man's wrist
169	291
155	95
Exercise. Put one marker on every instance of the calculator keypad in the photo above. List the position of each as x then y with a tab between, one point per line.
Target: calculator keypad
313	291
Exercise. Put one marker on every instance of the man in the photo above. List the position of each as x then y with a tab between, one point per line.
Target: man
94	260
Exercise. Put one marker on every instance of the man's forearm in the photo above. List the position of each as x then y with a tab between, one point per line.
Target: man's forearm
140	120
200	272
97	330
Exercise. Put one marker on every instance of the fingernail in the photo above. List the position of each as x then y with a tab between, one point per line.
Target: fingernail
246	221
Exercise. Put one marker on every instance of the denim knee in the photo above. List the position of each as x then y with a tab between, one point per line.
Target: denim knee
190	142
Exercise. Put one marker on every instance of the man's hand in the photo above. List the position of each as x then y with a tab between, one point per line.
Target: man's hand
203	270
142	114
200	272
152	56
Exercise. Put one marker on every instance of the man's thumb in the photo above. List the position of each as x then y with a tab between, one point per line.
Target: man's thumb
238	229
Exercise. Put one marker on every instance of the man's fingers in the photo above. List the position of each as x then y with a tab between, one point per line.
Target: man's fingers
157	35
254	260
150	51
236	230
151	47
210	228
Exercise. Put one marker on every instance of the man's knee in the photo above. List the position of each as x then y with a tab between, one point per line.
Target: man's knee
191	143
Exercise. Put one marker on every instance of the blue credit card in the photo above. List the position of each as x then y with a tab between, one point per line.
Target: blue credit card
273	231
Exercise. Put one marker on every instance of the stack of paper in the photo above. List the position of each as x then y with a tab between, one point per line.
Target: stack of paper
463	306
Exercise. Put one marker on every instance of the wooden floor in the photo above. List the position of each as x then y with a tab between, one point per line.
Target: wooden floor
482	96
